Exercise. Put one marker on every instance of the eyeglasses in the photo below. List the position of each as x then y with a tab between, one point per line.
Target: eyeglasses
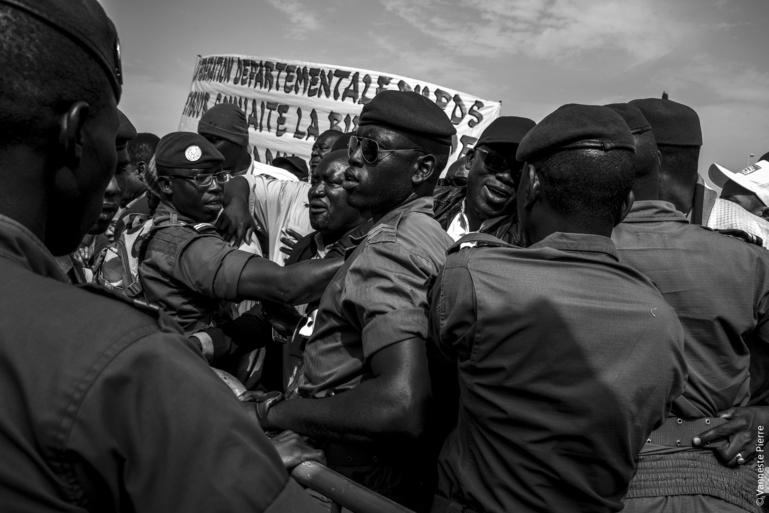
370	150
496	162
205	180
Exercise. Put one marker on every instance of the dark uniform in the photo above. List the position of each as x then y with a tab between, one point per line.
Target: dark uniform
189	270
378	298
106	408
566	359
719	287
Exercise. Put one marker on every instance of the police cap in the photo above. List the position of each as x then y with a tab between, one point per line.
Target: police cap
673	123
506	130
186	150
632	115
410	113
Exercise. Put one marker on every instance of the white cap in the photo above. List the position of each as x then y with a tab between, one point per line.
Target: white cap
754	178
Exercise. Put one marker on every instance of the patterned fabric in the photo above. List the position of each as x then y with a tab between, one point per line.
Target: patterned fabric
727	215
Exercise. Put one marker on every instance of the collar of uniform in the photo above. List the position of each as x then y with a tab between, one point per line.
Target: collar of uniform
580	242
423	205
651	210
20	245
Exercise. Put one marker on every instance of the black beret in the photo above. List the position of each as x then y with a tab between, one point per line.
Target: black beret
85	23
633	117
227	121
342	142
506	130
673	124
410	113
295	165
187	150
573	127
125	131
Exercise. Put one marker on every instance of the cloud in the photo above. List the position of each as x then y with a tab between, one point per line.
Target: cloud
302	19
555	31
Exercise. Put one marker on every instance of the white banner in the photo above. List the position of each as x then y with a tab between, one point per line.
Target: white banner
289	103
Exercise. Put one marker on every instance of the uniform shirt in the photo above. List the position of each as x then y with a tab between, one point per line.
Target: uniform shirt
718	286
106	408
567	359
376	299
278	205
189	272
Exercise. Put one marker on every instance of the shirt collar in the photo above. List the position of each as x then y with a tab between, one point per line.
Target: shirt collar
20	245
580	242
654	210
422	204
164	209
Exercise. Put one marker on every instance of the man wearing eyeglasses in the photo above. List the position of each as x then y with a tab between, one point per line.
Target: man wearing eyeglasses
366	387
487	204
187	268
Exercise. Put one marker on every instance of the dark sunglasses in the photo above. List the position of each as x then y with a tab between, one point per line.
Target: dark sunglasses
370	149
496	162
205	180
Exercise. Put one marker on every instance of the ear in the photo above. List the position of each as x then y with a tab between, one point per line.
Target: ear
71	133
626	206
533	187
164	183
469	156
141	166
424	169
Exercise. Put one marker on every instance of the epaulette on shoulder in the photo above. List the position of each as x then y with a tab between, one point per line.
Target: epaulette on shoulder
738	234
477	240
203	228
382	233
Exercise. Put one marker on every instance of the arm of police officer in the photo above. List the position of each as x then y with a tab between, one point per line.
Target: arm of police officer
212	267
391	403
746	427
176	436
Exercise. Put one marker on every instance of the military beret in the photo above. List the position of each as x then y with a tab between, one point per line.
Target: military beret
506	130
633	117
125	131
673	123
408	112
85	23
186	150
227	121
342	142
573	127
295	165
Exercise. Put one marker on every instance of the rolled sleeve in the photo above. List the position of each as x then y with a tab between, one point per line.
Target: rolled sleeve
212	267
390	294
453	311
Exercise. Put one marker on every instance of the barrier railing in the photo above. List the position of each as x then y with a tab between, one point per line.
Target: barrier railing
342	491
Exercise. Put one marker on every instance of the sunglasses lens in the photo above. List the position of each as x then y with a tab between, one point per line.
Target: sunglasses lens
222	177
497	162
368	148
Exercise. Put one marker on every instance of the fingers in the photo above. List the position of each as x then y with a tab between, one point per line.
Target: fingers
293	233
717	433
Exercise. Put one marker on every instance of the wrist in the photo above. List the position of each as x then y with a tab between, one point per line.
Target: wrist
263	407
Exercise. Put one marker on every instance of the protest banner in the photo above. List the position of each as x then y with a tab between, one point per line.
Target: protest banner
289	103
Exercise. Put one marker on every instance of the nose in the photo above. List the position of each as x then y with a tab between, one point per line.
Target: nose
355	159
505	177
316	190
215	186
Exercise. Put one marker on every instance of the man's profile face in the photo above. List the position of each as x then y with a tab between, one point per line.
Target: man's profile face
329	210
322	146
109	208
490	182
201	203
127	178
229	150
380	186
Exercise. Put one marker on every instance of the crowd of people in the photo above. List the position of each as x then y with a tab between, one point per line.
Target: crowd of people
564	319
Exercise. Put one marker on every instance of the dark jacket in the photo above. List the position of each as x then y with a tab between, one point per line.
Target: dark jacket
447	203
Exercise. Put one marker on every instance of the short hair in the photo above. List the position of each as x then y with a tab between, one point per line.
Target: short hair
43	73
680	162
142	148
587	185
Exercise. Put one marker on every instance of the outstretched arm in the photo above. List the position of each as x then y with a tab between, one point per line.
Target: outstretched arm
295	284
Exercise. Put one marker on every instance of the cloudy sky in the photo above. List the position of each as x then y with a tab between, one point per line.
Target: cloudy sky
532	55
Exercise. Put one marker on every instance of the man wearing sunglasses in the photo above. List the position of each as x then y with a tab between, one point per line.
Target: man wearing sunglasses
187	268
366	389
487	204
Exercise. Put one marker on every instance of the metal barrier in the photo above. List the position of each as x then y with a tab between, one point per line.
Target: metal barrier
342	491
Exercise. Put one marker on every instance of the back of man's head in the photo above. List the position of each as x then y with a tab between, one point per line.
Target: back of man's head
60	61
579	172
142	148
646	163
678	134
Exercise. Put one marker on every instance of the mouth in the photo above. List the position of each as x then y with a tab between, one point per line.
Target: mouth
498	193
108	212
318	207
215	203
350	179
